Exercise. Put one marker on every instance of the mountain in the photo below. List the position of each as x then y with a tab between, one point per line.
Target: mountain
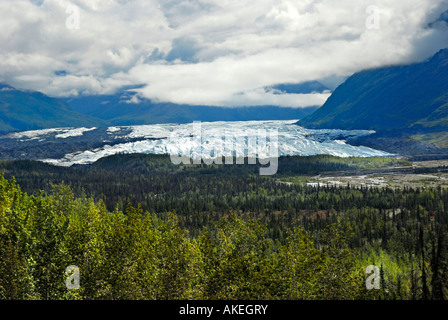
28	110
409	98
124	108
146	112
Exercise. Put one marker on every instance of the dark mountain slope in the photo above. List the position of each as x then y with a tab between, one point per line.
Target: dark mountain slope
28	110
117	109
405	98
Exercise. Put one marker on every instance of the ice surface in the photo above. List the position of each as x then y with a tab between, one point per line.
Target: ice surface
74	132
60	133
180	139
33	134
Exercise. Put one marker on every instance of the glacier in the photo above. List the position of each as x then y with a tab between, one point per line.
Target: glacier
293	140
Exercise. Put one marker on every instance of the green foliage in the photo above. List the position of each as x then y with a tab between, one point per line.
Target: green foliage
280	242
234	253
135	255
200	194
439	139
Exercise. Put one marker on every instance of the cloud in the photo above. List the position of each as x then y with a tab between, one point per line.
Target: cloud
209	52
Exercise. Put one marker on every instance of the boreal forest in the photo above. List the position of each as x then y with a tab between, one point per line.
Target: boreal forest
139	227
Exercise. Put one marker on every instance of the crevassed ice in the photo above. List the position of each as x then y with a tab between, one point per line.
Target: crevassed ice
292	140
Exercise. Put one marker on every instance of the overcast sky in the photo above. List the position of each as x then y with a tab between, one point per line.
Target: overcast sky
209	52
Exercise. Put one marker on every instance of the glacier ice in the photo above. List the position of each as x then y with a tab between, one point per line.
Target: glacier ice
157	139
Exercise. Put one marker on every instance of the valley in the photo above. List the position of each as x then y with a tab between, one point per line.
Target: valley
420	174
187	152
136	202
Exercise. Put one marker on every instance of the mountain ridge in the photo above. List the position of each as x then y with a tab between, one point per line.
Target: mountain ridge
22	110
119	109
405	97
31	110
